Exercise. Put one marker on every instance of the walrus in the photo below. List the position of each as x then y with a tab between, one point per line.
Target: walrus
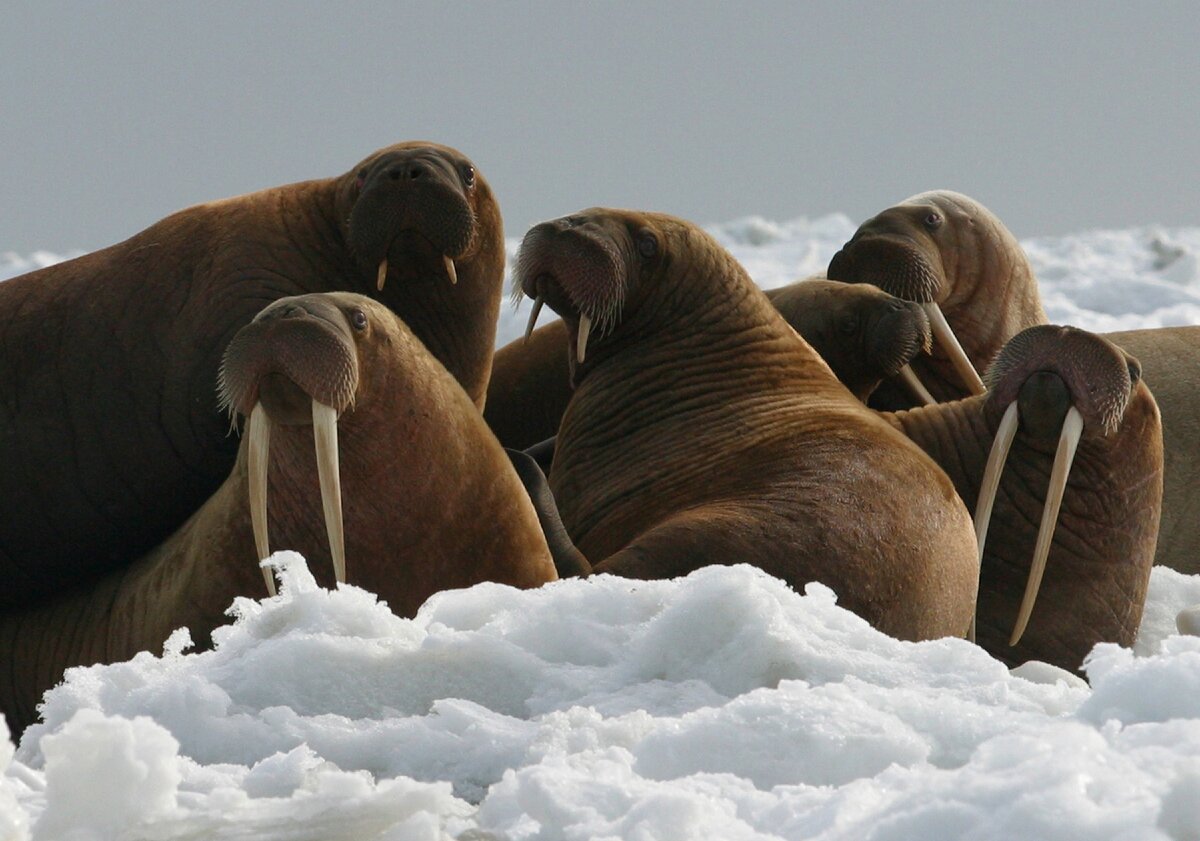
699	434
433	500
951	252
110	434
703	429
864	334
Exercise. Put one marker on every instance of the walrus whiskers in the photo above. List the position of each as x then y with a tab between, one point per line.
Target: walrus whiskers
259	435
326	439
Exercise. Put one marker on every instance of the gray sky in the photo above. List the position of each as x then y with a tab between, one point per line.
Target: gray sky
1059	116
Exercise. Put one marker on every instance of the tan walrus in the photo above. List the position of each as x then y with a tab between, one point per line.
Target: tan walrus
703	430
949	251
700	434
112	436
864	334
433	502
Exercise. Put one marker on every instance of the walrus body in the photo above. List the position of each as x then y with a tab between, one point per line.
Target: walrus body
973	268
435	501
110	435
703	430
1097	566
864	334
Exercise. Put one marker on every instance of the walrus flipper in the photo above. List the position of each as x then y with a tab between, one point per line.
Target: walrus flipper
568	560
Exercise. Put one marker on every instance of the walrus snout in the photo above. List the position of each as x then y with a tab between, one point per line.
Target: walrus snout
294	352
899	333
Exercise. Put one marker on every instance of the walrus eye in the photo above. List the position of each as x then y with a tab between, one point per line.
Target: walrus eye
849	325
933	220
647	244
468	175
358	320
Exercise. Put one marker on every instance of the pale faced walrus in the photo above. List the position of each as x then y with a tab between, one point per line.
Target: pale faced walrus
863	333
975	271
110	435
433	502
703	430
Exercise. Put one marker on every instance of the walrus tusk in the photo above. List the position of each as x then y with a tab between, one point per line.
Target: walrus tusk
949	343
450	270
381	278
259	435
991	482
1067	442
585	327
325	434
533	315
915	386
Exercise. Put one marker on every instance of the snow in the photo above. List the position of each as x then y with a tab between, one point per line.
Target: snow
721	705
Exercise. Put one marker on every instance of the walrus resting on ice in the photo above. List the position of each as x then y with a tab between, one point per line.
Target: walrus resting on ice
433	501
111	436
952	253
703	430
864	334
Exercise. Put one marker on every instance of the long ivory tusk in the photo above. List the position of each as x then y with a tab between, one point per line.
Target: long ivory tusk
585	327
325	434
259	444
915	386
949	343
381	277
991	481
1067	442
450	270
533	315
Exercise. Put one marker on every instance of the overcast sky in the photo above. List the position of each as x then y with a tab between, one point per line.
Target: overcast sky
1059	116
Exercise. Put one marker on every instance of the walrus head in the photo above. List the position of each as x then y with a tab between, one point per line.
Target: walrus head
595	268
413	211
864	333
298	363
939	249
1055	383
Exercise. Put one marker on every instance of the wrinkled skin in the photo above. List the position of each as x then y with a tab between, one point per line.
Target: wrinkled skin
703	430
432	500
982	280
111	432
863	334
1099	564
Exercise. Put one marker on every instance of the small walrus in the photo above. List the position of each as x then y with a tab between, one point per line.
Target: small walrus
864	334
950	252
433	501
704	430
110	434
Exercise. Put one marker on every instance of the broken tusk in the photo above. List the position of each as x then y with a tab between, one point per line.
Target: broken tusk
325	434
991	481
533	315
949	342
585	327
450	271
259	435
381	278
1068	441
915	386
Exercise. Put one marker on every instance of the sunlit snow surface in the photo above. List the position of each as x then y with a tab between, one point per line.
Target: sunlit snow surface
718	706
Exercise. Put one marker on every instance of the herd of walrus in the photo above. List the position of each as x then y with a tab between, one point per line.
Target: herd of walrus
907	430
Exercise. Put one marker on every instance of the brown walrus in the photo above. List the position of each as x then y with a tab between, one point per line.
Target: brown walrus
433	500
703	429
863	333
970	266
110	435
699	434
